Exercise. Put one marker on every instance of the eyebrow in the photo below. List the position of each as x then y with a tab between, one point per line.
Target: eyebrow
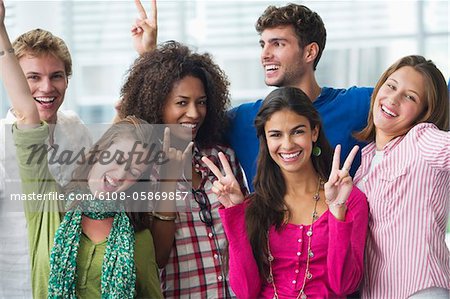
275	39
293	129
187	98
37	73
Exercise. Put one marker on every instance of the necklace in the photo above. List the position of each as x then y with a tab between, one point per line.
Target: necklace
309	233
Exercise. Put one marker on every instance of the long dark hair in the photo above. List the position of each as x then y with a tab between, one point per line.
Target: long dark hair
266	205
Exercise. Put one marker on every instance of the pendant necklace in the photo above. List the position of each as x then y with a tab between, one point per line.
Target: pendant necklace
309	233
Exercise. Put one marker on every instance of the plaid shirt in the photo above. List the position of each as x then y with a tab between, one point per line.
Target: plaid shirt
195	268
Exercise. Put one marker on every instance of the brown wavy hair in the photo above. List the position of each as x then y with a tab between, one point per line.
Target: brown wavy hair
266	204
436	95
308	25
153	75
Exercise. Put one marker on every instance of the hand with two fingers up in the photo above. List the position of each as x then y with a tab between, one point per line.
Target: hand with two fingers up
340	183
144	31
226	186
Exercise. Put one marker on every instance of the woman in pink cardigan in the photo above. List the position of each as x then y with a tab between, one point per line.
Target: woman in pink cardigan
297	236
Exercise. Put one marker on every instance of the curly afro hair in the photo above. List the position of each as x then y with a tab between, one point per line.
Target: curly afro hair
153	75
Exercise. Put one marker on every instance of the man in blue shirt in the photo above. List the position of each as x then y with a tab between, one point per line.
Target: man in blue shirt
292	41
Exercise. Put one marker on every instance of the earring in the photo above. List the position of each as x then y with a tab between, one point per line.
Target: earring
316	151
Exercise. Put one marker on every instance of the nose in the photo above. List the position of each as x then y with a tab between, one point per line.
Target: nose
121	173
192	111
266	53
393	99
46	85
286	142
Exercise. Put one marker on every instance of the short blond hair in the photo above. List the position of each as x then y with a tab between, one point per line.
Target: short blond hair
39	42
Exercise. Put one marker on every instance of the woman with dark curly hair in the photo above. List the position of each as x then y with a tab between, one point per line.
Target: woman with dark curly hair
172	85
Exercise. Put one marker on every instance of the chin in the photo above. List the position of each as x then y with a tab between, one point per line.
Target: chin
182	138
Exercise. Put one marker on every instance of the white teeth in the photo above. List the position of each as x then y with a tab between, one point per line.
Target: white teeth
290	156
386	110
189	125
45	99
110	181
271	67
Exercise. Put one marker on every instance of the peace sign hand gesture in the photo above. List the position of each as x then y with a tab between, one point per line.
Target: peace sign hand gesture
144	31
340	183
226	186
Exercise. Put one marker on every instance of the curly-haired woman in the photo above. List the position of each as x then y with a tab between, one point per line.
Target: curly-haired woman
175	86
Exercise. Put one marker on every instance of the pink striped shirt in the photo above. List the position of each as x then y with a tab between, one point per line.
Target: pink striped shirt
409	196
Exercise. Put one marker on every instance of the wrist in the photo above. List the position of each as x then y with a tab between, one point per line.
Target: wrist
164	216
339	211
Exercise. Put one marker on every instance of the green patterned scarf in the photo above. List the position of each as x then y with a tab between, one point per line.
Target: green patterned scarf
118	271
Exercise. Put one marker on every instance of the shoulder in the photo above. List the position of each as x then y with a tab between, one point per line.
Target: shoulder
333	100
427	135
421	129
359	90
352	92
68	117
243	109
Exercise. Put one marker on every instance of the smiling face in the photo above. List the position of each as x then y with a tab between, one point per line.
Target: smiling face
47	80
290	140
116	170
186	105
398	104
281	57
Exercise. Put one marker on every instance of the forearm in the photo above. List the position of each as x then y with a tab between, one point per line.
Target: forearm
243	271
344	266
163	233
16	84
37	182
163	225
346	246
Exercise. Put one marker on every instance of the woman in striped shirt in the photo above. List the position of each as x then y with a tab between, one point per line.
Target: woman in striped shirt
405	173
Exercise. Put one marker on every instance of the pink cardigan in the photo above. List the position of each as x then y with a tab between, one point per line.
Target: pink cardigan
336	267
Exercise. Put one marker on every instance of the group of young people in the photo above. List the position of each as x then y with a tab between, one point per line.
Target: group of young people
301	228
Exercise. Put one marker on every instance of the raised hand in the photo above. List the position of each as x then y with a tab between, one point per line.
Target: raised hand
14	80
340	183
226	186
144	31
177	159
